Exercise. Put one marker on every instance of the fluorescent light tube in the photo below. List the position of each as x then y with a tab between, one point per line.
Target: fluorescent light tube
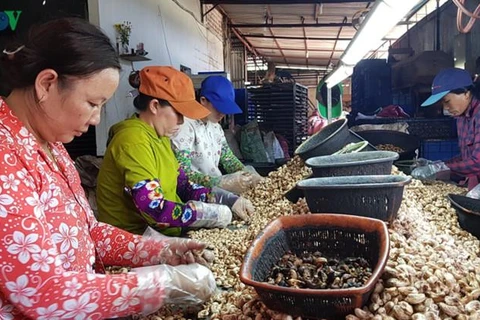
383	17
338	75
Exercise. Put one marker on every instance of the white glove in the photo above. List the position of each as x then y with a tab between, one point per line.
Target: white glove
236	182
162	284
243	208
433	171
174	250
474	193
256	178
421	162
211	215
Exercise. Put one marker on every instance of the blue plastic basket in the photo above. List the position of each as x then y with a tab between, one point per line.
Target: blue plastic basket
439	149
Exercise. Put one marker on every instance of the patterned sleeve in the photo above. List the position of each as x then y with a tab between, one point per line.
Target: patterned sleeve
117	247
149	199
457	158
228	160
470	165
184	157
146	189
190	191
182	145
34	275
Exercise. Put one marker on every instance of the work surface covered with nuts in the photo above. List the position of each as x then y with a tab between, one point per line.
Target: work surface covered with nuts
433	271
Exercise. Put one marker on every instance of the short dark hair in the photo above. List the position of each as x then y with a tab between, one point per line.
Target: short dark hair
70	46
142	101
474	89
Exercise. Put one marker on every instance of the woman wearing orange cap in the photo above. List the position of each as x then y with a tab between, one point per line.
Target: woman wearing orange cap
139	159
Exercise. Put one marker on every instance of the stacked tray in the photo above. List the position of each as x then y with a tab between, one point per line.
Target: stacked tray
282	108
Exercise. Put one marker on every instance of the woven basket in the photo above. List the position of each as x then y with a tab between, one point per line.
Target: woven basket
351	164
331	234
374	196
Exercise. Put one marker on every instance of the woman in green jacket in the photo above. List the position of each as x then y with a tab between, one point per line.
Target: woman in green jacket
140	182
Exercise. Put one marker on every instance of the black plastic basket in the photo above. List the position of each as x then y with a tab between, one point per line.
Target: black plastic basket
352	164
468	213
424	128
409	143
440	128
374	196
333	235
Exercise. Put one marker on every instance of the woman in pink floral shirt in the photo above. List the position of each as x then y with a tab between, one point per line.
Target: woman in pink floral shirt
50	241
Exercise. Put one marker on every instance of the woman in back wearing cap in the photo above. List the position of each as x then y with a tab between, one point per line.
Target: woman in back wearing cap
201	147
140	182
460	98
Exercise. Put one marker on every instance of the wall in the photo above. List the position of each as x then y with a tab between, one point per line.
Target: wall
422	37
172	33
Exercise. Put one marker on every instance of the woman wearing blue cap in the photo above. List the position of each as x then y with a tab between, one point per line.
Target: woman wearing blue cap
460	97
201	146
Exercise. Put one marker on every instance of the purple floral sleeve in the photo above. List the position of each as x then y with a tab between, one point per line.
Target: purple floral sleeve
149	199
188	190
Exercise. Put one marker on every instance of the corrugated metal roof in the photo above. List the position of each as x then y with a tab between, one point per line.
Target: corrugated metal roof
288	46
300	52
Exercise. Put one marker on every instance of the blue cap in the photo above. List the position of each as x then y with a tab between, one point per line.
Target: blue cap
219	91
446	81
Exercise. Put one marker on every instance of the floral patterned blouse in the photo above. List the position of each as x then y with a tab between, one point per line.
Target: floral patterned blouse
201	147
49	238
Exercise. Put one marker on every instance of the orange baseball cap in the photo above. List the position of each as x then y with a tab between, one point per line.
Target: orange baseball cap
176	87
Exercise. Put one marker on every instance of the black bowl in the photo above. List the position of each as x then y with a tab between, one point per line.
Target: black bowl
329	140
468	213
409	143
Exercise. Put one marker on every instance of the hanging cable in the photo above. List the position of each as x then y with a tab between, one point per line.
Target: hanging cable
462	10
461	7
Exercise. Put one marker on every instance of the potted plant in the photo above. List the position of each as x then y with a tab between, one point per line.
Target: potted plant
124	30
